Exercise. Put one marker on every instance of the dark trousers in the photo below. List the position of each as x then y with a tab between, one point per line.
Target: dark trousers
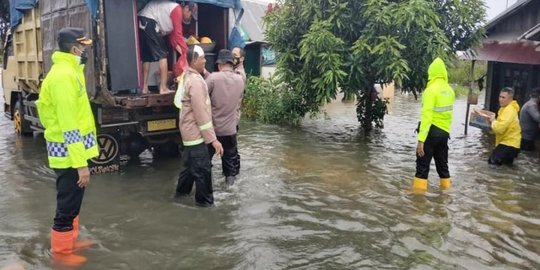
527	145
69	198
196	168
503	154
435	146
231	159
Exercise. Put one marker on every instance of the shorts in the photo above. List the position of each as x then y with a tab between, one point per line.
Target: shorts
153	45
503	154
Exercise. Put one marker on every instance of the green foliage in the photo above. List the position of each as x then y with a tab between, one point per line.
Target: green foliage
458	72
378	110
4	21
326	46
269	102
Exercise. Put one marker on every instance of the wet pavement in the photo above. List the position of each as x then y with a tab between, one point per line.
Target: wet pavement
319	196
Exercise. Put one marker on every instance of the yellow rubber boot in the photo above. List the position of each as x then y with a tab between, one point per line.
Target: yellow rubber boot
419	186
445	183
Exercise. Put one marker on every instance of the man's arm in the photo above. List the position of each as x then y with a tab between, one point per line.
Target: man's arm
428	103
176	38
503	121
534	113
210	82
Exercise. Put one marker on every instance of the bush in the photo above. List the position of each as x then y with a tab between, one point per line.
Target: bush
270	102
458	71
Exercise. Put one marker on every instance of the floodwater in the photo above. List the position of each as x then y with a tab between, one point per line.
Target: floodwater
321	196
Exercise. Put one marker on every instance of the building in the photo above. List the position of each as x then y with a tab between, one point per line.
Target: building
512	49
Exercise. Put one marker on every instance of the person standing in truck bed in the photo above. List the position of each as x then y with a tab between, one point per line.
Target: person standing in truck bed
157	20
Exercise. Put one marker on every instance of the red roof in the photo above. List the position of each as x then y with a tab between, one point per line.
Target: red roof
518	52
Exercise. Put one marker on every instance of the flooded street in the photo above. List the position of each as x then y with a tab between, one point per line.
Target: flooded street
320	196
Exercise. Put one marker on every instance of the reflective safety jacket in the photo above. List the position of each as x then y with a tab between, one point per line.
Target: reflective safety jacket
65	112
506	127
437	101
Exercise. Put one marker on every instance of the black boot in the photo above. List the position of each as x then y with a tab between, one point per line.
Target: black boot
229	180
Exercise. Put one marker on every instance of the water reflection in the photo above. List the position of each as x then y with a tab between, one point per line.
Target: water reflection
320	196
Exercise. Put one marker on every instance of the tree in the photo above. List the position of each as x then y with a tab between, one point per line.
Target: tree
4	23
327	46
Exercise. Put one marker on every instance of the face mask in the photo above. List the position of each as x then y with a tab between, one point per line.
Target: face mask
83	58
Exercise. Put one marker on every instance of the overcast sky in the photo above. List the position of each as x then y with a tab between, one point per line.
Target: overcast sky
494	7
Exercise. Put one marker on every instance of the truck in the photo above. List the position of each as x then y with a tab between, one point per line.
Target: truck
127	122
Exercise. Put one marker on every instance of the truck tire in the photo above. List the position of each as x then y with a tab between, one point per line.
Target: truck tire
22	126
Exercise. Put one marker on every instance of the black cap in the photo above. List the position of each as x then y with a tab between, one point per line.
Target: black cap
73	35
225	56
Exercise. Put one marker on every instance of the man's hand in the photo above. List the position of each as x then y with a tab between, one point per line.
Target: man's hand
491	118
84	177
420	149
218	147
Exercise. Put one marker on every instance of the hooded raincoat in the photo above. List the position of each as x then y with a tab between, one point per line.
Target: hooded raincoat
506	127
437	101
65	112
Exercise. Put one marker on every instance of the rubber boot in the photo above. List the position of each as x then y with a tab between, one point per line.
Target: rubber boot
445	183
419	186
62	249
76	243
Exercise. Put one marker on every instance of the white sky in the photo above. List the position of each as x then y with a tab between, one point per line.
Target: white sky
494	7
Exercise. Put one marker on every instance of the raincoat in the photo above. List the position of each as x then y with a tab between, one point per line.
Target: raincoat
506	127
65	112
437	101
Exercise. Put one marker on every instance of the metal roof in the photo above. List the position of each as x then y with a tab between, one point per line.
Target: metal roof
508	12
252	22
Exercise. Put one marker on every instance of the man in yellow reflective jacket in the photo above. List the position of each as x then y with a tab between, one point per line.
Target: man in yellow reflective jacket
434	130
70	133
507	130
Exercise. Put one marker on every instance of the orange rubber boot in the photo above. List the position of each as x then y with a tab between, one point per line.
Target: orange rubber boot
83	243
62	249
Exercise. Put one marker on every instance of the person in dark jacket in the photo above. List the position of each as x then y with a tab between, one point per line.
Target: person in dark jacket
529	120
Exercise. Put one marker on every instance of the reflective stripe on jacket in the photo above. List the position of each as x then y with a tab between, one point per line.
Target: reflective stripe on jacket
437	101
506	127
65	112
196	115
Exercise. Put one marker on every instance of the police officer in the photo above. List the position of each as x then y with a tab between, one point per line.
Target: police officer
434	130
70	133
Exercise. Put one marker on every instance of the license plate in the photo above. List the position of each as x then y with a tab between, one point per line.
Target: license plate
161	124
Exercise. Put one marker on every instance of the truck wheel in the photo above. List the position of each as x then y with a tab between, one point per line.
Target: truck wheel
22	126
134	145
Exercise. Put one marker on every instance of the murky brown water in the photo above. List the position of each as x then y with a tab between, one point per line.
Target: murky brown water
322	196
